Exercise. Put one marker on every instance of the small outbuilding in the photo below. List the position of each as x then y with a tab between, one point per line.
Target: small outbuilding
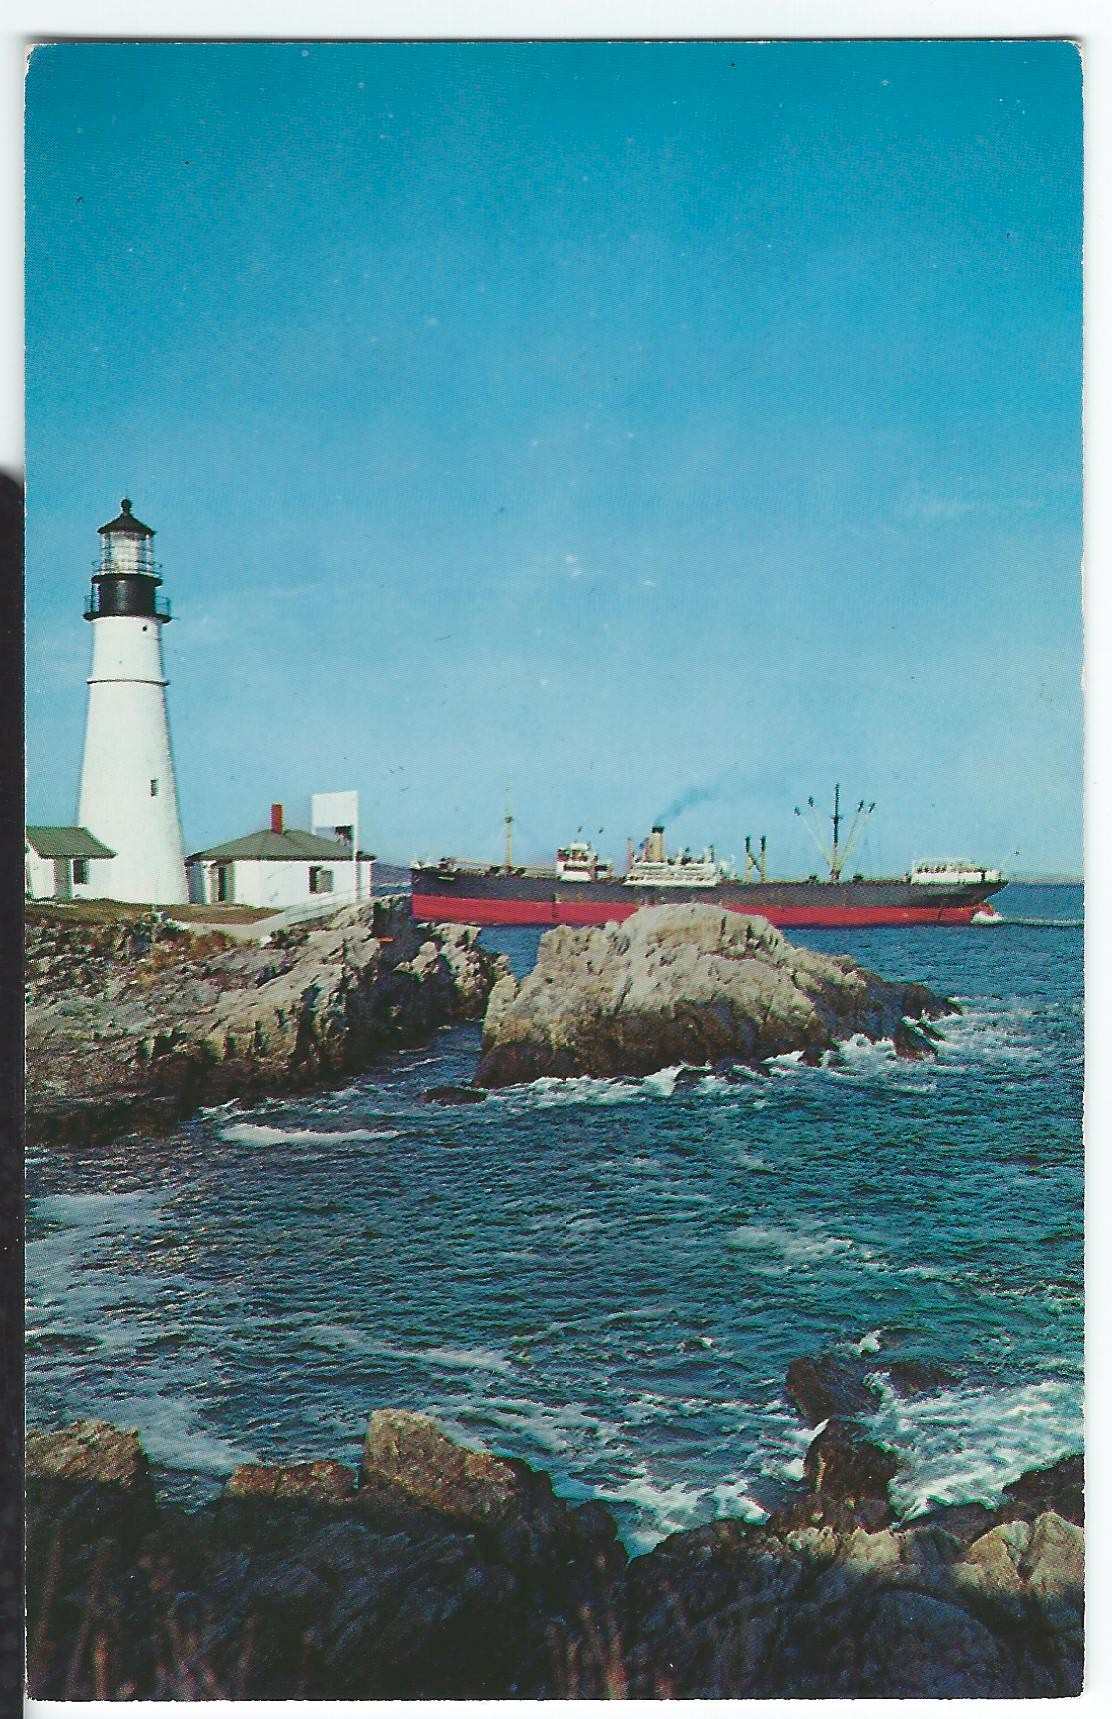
56	862
276	868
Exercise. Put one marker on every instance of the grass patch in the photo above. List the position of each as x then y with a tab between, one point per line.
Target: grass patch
103	912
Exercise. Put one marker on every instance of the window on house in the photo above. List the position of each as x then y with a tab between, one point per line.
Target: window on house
320	880
80	871
154	787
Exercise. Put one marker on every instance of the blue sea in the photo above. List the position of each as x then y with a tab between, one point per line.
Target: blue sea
608	1278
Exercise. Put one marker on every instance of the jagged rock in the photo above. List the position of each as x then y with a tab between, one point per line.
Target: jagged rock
820	1386
222	1021
324	1482
962	1522
411	1452
1060	1488
848	1477
458	1574
902	1643
690	984
88	1452
910	1378
454	1095
843	1464
873	1552
991	1564
1055	1560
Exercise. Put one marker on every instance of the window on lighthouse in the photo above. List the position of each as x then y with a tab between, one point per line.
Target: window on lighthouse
154	787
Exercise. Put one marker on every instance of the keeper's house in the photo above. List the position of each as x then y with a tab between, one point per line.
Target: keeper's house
56	862
275	868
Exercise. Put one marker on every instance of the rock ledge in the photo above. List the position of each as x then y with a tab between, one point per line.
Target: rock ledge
692	984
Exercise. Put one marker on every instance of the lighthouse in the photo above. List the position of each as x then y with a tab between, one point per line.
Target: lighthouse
128	795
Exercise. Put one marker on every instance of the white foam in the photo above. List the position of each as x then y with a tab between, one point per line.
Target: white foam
966	1444
869	1344
550	1090
546	1092
992	1033
445	1355
559	1430
259	1134
732	1498
789	1062
799	1245
726	1085
101	1212
664	1080
343	1337
480	1360
668	1507
861	1055
750	1160
862	1059
172	1434
1004	1033
649	1407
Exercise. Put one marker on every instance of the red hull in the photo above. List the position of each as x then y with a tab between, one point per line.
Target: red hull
473	910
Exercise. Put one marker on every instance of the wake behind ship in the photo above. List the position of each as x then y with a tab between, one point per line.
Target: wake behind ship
582	889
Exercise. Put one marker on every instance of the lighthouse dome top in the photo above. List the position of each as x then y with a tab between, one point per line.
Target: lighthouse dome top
125	523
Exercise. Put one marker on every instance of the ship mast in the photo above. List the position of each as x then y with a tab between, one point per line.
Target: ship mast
837	857
752	864
836	868
508	820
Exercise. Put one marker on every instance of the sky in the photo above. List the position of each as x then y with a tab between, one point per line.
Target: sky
652	431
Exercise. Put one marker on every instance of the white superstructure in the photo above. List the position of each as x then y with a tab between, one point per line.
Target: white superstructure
579	863
129	796
950	871
653	868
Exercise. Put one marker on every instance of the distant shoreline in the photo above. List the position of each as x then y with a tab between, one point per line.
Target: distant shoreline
1054	881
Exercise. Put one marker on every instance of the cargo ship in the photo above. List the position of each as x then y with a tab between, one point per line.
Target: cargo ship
583	889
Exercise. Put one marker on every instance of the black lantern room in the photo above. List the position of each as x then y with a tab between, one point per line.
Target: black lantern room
127	577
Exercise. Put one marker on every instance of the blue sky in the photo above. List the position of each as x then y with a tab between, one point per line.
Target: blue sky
638	427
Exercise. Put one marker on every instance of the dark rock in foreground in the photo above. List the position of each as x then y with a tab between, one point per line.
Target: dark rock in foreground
450	1573
453	1095
693	984
820	1386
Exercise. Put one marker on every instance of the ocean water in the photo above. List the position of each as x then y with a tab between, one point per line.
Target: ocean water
607	1278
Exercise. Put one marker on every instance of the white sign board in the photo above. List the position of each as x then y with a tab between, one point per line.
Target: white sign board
332	812
335	811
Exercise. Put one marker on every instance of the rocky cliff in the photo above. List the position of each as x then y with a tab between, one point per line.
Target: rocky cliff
441	1572
131	1025
692	984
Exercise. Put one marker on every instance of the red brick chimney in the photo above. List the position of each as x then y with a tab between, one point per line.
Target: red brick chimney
276	819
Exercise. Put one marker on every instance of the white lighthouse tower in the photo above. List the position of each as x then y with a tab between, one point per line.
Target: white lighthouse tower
129	799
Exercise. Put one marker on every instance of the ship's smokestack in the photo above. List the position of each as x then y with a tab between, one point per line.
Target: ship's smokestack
656	842
276	820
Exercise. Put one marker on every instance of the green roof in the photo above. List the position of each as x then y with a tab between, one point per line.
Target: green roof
269	844
66	841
